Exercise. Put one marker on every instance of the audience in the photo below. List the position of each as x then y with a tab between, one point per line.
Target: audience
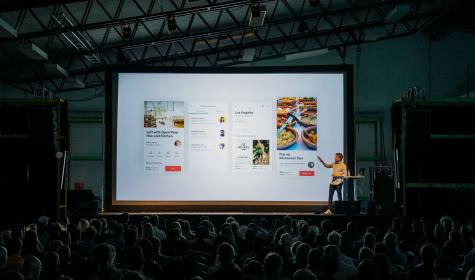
263	249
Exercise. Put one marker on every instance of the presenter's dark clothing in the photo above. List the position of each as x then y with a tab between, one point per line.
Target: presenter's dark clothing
332	190
338	175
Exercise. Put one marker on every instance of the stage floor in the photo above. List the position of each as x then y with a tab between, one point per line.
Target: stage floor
214	213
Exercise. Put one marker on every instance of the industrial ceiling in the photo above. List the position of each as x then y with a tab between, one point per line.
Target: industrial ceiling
63	45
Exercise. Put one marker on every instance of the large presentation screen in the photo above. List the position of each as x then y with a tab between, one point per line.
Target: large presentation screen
240	136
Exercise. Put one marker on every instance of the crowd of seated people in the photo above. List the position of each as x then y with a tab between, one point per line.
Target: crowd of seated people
267	249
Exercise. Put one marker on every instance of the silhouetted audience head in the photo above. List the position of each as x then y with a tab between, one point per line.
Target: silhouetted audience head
147	249
326	227
147	231
31	267
368	270
226	253
51	265
314	259
124	218
3	256
331	250
54	245
130	236
302	255
304	274
253	268
201	232
104	254
272	266
64	254
471	274
365	253
329	266
83	224
391	240
447	224
369	240
334	238
383	263
429	253
89	234
134	259
444	267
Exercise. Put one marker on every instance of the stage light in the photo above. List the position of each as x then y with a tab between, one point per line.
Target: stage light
314	3
6	30
32	51
248	55
171	22
126	31
55	70
255	11
258	14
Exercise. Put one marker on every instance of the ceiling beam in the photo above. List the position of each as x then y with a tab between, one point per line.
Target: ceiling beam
141	18
14	5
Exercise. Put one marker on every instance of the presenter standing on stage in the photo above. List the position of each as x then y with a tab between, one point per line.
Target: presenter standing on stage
340	170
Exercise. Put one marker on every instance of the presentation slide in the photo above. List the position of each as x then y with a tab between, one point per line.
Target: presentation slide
251	137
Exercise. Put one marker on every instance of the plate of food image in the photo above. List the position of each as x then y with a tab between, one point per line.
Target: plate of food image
281	118
309	137
286	138
308	118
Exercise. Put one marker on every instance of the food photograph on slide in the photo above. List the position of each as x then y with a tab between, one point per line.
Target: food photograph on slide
164	113
260	152
297	123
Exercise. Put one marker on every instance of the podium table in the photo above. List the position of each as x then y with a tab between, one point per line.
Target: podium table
352	196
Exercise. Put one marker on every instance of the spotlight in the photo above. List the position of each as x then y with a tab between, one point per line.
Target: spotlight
314	3
171	21
255	9
258	14
126	31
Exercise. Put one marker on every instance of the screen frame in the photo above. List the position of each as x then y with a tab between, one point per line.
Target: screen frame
111	98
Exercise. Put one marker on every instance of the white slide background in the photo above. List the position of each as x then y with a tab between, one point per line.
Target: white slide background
133	184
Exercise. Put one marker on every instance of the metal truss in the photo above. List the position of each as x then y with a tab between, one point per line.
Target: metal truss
461	13
208	33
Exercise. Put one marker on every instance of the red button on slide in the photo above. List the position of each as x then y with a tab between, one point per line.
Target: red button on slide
172	168
306	173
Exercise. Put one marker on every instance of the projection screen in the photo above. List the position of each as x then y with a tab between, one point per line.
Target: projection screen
214	136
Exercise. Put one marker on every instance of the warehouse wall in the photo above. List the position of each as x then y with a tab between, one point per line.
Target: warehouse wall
386	69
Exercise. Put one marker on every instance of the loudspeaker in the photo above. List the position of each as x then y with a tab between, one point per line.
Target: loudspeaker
347	207
383	185
31	133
